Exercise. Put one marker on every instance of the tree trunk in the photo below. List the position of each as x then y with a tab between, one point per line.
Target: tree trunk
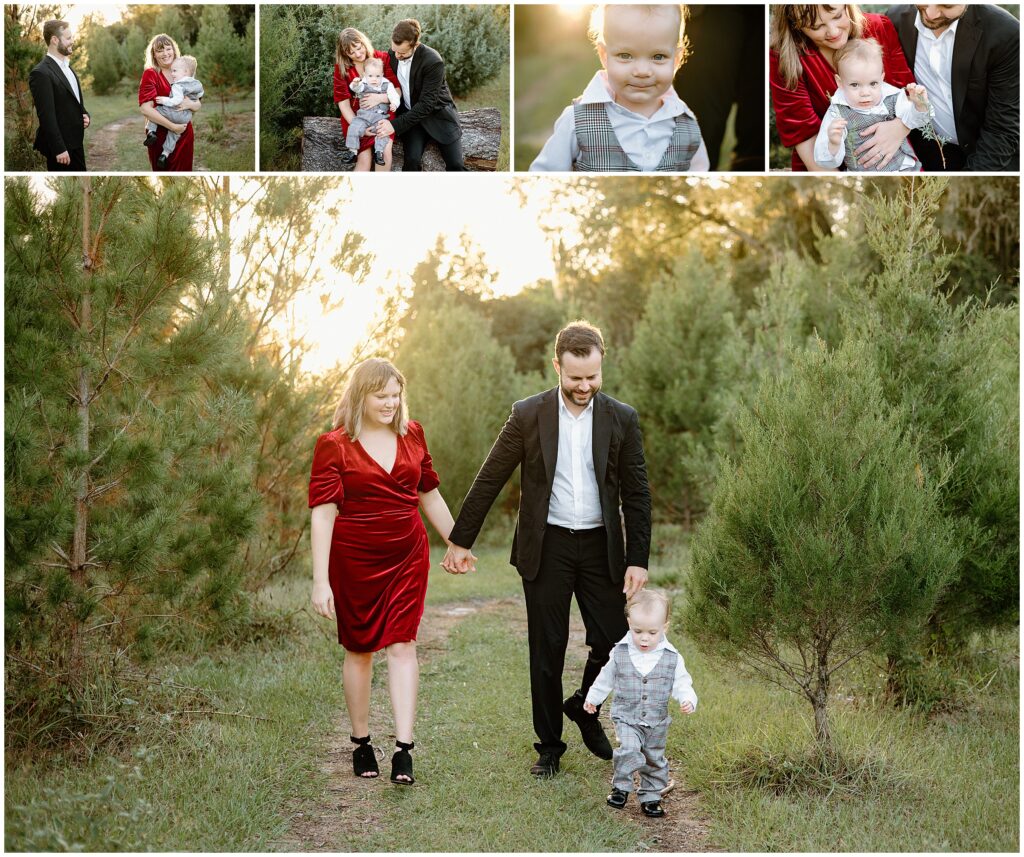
323	142
225	233
819	699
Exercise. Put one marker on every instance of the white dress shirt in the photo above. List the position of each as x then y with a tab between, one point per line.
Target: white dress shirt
643	139
933	69
65	66
682	684
404	68
575	500
906	112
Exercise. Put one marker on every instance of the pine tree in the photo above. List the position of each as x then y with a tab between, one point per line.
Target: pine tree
224	64
824	539
127	455
106	62
954	386
674	374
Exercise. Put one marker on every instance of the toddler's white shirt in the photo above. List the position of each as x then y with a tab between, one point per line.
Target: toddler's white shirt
682	684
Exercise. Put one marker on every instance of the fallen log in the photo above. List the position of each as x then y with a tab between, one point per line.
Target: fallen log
323	143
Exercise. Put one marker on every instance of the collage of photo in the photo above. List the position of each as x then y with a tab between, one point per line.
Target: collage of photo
675	509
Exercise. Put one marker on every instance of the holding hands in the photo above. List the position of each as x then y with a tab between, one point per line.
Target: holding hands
458	560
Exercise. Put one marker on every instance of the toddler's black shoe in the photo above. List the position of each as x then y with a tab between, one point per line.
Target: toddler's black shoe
652	809
348	156
617	799
161	162
150	140
378	158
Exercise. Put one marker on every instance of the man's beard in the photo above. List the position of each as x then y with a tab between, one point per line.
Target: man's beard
943	21
65	51
573	396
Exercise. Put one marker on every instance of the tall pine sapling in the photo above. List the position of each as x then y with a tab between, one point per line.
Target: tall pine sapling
823	541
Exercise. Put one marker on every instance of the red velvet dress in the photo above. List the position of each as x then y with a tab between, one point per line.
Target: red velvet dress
153	83
342	93
798	112
379	553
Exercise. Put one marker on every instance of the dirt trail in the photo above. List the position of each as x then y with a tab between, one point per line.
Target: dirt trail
102	156
349	807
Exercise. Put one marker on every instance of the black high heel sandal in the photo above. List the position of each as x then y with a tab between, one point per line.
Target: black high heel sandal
401	764
364	760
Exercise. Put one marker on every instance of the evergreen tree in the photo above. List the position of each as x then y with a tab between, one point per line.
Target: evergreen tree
106	62
224	62
127	458
135	50
954	387
824	539
461	386
674	373
169	22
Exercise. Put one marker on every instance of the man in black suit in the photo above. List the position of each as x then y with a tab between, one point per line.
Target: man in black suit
967	57
427	111
60	105
581	457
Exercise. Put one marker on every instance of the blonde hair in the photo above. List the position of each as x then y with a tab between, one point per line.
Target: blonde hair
158	41
370	376
372	62
647	598
595	32
860	49
190	62
346	38
787	40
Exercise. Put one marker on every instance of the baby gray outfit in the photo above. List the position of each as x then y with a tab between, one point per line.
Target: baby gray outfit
186	87
640	711
367	117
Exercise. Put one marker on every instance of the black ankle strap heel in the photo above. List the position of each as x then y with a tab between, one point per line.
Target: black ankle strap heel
364	760
401	764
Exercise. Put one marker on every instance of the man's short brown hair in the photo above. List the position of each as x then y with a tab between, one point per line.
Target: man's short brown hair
407	30
51	29
579	338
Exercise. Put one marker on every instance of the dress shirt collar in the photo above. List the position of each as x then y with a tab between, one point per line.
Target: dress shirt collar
563	408
950	31
598	92
887	90
63	62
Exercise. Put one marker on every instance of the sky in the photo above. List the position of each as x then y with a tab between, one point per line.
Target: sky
107	13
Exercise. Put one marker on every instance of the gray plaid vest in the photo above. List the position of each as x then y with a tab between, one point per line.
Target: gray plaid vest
857	122
600	150
642	699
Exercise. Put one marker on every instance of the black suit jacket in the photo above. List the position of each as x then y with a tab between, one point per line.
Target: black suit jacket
432	104
985	82
529	440
59	110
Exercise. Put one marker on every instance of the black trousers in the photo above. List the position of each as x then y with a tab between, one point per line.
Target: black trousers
572	563
77	164
928	153
415	140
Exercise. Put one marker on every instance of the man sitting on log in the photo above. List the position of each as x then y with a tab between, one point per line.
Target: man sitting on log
427	111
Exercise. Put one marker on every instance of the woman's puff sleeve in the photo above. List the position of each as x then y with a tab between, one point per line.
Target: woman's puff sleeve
325	484
429	479
148	86
341	90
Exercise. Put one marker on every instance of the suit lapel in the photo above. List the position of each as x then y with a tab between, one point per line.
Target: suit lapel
55	69
601	437
908	35
547	427
968	35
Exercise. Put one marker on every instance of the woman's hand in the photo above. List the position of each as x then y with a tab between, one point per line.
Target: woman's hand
323	600
372	99
177	127
882	144
189	104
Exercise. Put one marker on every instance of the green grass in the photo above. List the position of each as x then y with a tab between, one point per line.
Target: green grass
218	782
494	93
233	150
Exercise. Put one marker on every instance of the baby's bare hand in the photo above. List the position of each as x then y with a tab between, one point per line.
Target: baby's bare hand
686	707
835	131
590	708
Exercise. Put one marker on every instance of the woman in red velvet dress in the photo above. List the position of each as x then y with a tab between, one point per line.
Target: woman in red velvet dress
352	49
161	52
803	80
370	478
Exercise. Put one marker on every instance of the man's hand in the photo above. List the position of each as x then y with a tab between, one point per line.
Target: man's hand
458	560
85	120
64	158
636	579
883	144
384	128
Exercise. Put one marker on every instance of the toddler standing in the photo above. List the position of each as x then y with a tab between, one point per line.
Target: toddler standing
645	671
629	117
